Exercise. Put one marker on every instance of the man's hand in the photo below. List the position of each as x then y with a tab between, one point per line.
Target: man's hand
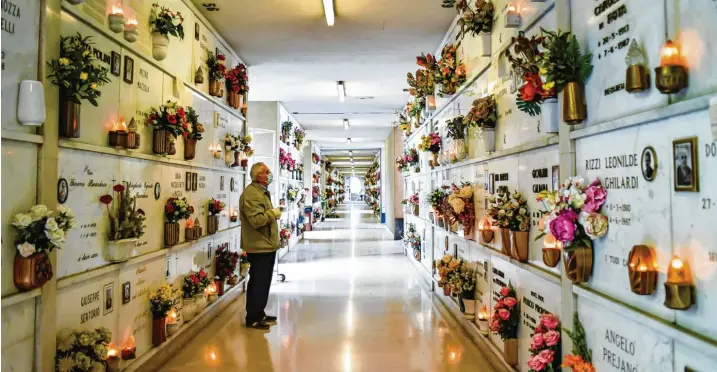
276	212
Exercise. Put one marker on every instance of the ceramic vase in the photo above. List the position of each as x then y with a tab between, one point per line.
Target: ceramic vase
189	309
160	44
549	116
31	103
488	139
520	245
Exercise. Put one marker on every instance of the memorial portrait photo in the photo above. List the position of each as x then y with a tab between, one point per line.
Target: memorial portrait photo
648	163
685	165
109	290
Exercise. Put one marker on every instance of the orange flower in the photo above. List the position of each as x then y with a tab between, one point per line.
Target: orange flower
577	363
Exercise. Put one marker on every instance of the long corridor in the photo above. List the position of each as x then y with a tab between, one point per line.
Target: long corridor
351	302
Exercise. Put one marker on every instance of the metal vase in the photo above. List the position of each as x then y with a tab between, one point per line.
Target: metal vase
69	125
159	141
575	109
190	148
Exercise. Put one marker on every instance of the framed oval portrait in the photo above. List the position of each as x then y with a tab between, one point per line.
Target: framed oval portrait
648	163
157	191
63	190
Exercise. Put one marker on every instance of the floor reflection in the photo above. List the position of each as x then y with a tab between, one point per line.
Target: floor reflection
351	302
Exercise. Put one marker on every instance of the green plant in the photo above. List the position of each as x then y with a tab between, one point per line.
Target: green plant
164	21
563	60
81	351
77	72
475	22
194	127
435	197
216	68
456	128
286	127
580	344
126	221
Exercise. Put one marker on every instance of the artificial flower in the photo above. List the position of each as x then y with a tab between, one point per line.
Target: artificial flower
550	321
595	197
535	363
551	338
563	226
65	340
22	220
38	211
65	364
595	224
504	291
51	224
26	249
536	341
510	301
546	356
504	314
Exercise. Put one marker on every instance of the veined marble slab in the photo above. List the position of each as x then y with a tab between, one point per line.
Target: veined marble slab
18	329
502	273
538	297
90	304
606	30
688	359
619	344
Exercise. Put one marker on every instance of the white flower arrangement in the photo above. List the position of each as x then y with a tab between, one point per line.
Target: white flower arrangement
40	231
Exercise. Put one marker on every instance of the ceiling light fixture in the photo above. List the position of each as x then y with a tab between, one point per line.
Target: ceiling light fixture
351	153
346	124
342	90
329	12
348	140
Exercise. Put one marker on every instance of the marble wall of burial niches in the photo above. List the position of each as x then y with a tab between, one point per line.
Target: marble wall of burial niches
538	170
502	274
20	34
97	10
221	192
175	180
17	197
638	210
691	24
687	358
620	343
502	174
144	178
427	235
205	113
693	217
18	330
97	121
87	178
91	304
136	282
481	259
529	11
537	297
606	32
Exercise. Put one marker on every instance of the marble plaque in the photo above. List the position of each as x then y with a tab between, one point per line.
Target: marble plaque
142	175
174	185
205	111
502	273
20	36
15	158
638	210
501	173
691	360
135	318
178	55
621	344
693	221
696	22
538	297
536	171
18	330
606	29
90	304
220	188
89	178
482	260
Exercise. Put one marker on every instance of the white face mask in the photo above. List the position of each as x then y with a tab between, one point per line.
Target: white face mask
269	179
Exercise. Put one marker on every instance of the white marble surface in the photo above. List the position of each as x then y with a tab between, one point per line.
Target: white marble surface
509	275
537	297
618	343
686	357
605	37
639	216
18	342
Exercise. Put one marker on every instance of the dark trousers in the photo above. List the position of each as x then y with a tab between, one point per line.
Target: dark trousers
257	293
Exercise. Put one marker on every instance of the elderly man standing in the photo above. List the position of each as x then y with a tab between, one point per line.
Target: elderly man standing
260	240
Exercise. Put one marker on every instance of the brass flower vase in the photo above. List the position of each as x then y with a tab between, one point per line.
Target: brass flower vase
486	236
190	148
574	106
31	272
551	257
520	245
171	233
510	351
160	141
212	224
637	79
579	263
505	241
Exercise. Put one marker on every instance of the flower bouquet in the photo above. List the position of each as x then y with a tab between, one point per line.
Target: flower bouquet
519	224
244	264
451	74
404	123
175	210
414	110
82	351
414	201
163	23
237	85
315	158
465	277
456	130
526	60
299	135
193	130
227	262
477	23
286	128
79	77
461	201
160	301
169	121
545	345
564	64
291	193
215	207
443	271
498	210
574	219
401	164
505	322
580	357
38	233
190	290
431	143
411	157
435	199
217	71
126	222
484	115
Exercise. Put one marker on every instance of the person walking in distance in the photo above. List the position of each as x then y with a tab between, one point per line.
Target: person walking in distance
260	240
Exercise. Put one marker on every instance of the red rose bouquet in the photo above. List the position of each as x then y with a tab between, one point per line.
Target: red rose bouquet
545	345
177	209
190	286
170	117
227	262
506	314
237	80
215	207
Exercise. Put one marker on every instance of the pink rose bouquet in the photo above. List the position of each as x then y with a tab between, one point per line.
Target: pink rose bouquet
573	212
506	314
545	345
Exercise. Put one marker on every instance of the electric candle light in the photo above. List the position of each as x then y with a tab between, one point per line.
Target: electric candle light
679	291
512	16
671	76
483	320
118	134
116	18
212	292
131	33
172	322
233	216
189	230
112	359
551	250
486	231
128	351
637	77
642	270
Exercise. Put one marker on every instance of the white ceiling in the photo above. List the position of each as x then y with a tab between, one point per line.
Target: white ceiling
295	58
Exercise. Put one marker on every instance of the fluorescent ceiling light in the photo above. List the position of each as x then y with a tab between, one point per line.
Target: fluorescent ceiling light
329	12
346	124
342	91
351	153
348	140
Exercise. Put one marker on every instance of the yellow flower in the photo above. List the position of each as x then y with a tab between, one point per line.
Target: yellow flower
83	76
543	71
64	61
93	86
549	85
86	53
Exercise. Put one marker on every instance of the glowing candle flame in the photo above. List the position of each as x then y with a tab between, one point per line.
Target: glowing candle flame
670	54
512	8
117	9
642	268
112	352
131	21
676	263
119	125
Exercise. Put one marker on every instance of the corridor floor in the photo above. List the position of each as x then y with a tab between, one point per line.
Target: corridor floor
351	302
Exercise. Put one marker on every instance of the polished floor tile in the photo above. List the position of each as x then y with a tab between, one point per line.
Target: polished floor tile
351	302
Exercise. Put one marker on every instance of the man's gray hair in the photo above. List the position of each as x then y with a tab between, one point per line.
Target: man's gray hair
257	169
